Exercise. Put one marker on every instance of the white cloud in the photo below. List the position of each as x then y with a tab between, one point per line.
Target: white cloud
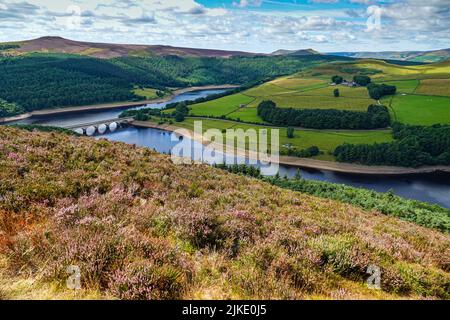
247	3
414	23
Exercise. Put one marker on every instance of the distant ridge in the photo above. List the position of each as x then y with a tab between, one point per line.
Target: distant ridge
417	56
302	52
53	44
108	50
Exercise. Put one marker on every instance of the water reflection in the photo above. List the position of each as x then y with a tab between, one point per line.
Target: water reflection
432	188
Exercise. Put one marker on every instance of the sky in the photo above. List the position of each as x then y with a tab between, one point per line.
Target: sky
247	25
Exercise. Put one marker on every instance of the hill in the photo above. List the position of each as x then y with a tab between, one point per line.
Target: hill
303	52
49	80
422	98
417	56
140	227
109	50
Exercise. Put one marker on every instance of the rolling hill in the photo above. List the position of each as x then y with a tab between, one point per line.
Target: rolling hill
108	50
416	56
302	52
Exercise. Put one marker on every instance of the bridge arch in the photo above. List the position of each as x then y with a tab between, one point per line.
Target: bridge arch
91	130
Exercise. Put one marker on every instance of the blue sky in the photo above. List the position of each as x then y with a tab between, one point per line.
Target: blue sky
248	25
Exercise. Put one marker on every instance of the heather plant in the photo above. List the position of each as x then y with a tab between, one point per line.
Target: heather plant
146	281
140	227
341	255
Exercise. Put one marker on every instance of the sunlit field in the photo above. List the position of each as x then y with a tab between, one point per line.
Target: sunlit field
421	110
326	140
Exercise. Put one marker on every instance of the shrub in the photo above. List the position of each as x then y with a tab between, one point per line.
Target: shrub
341	255
179	117
362	80
337	79
147	281
377	91
290	133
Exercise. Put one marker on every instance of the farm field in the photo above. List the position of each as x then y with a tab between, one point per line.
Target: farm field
404	86
326	140
291	92
322	102
247	114
381	70
438	87
287	85
222	106
312	89
421	109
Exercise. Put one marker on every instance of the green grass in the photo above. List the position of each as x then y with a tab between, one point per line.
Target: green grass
345	92
268	90
326	140
404	86
382	71
322	102
247	115
222	106
421	109
147	93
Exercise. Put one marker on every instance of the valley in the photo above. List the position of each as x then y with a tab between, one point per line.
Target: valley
363	177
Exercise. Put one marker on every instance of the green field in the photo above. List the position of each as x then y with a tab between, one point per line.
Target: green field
322	102
222	106
287	92
147	93
312	89
421	109
404	86
247	115
381	70
326	140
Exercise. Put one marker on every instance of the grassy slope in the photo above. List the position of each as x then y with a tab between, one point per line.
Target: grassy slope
311	89
326	140
132	221
293	91
222	106
421	109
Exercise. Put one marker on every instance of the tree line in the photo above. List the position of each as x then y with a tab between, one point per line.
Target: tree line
303	153
414	146
376	117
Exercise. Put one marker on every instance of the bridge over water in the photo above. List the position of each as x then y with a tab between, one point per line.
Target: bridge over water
100	127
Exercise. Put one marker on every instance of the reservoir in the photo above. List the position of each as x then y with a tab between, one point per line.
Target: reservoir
432	188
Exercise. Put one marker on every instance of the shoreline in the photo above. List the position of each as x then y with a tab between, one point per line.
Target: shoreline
112	105
306	163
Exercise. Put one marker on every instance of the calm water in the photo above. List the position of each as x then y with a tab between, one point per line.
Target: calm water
432	188
73	119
